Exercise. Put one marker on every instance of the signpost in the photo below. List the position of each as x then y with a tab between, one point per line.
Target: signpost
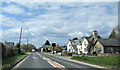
53	45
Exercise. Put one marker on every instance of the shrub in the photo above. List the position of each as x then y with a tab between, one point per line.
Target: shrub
22	53
8	52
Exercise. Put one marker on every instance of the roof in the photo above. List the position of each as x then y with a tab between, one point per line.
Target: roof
88	39
75	42
9	43
45	46
109	42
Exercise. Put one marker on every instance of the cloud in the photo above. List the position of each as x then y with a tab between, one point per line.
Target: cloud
13	9
61	1
60	21
78	34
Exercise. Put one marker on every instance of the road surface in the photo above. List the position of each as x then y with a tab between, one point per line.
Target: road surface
42	61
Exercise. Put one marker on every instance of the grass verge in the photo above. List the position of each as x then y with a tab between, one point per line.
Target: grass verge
12	60
112	62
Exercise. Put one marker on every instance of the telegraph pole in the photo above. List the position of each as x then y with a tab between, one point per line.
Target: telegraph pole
27	41
20	36
18	45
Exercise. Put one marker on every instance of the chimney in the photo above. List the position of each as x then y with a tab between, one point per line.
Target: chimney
95	33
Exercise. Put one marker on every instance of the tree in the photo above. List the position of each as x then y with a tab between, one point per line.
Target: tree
28	47
98	36
18	46
47	43
113	34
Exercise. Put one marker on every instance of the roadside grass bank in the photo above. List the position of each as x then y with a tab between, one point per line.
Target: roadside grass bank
8	62
111	62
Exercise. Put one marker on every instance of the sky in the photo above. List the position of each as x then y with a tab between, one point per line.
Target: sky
56	21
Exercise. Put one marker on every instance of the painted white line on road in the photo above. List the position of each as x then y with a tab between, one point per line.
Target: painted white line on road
35	58
51	64
60	64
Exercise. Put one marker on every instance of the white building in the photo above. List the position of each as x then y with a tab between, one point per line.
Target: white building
74	46
85	43
88	43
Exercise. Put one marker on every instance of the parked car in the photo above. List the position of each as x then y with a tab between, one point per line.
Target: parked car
33	50
64	51
59	53
52	52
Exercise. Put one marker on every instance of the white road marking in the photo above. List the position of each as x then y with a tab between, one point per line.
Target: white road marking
60	64
51	64
35	58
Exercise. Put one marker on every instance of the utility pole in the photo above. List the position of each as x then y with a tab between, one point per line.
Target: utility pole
20	36
18	45
27	44
27	41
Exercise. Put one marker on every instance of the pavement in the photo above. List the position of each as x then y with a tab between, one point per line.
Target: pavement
42	61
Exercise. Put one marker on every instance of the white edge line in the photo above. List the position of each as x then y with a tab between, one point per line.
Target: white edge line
20	62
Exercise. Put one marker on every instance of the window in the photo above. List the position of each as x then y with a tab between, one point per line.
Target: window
109	50
85	49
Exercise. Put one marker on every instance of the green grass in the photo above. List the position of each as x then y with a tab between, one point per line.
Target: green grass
12	60
102	61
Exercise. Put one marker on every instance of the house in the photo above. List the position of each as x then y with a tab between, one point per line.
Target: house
9	44
89	42
107	46
57	48
74	46
45	47
85	44
64	47
99	45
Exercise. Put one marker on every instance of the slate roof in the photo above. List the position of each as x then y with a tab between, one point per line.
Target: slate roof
45	46
88	39
109	42
75	42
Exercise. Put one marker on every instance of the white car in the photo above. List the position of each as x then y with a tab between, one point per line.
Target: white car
52	52
33	50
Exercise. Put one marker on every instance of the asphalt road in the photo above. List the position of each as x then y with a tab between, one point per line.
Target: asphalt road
42	61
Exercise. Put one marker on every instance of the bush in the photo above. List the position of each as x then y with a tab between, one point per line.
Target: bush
22	53
89	54
8	51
